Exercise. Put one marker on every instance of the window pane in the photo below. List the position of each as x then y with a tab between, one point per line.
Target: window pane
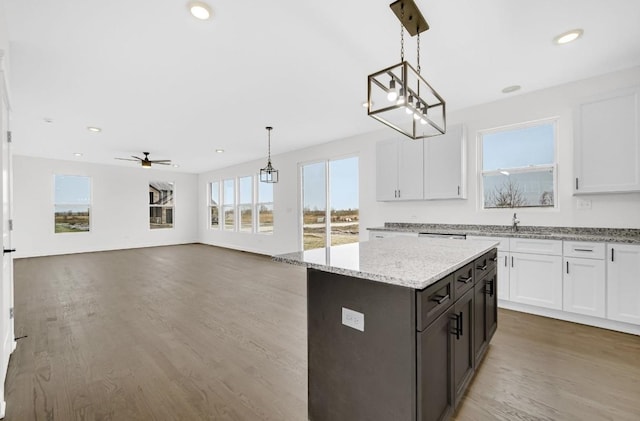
265	192
229	192
519	190
72	189
343	197
246	190
518	148
215	193
265	217
160	204
246	221
71	218
214	217
314	231
229	218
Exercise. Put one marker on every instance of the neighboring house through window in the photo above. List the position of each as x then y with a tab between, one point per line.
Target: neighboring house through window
518	167
72	203
161	204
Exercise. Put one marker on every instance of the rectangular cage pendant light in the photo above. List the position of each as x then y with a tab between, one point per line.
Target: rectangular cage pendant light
399	96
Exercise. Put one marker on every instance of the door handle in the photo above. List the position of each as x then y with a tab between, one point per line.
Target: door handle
5	251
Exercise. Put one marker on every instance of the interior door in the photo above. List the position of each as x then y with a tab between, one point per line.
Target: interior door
7	343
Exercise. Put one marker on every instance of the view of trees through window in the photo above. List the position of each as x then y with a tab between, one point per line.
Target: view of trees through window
160	204
253	211
214	204
72	203
264	208
330	213
518	166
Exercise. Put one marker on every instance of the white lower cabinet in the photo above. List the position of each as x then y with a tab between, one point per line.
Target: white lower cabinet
503	275
584	286
536	279
623	283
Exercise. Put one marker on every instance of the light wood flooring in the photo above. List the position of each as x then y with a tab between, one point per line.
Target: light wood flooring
196	332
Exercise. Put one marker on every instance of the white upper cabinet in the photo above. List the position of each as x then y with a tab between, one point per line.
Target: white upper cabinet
445	164
399	170
607	143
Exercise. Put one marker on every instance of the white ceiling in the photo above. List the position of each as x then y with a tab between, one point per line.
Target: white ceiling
156	79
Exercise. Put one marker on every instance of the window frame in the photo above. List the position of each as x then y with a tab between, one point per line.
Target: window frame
232	206
89	205
210	206
259	203
553	167
250	205
172	206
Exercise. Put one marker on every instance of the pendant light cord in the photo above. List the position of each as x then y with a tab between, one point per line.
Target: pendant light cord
401	32
418	51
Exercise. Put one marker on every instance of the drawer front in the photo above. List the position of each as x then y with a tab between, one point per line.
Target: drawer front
485	264
536	246
584	249
433	301
463	280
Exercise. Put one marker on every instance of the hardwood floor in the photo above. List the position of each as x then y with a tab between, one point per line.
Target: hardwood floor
196	332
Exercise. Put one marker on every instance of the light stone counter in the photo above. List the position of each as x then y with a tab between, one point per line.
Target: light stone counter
409	262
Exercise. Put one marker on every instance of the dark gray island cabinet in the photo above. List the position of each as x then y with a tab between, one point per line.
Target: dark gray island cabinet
397	327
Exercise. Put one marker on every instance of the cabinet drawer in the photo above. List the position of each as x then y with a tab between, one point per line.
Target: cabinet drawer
432	301
485	264
583	249
463	280
536	246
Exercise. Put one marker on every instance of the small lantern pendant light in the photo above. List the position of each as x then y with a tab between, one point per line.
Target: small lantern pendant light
399	96
269	174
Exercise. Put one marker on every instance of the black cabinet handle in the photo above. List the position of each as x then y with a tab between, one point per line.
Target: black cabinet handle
440	298
495	259
461	324
465	280
457	330
5	251
567	267
589	250
612	254
484	267
505	261
576	183
490	284
511	261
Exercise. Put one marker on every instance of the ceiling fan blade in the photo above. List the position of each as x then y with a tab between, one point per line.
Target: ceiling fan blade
161	161
137	157
126	159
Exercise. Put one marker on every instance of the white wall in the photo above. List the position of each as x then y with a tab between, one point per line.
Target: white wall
611	211
119	212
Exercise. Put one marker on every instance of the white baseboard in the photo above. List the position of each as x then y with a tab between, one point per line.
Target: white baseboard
571	317
3	407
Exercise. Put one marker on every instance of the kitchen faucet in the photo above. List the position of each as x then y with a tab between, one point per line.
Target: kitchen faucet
515	221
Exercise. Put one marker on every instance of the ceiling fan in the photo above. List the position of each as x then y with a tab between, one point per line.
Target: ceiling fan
146	162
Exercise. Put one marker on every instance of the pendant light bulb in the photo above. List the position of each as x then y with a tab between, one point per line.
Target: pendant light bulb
393	93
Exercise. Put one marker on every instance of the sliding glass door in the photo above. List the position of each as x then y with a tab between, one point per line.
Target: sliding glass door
330	209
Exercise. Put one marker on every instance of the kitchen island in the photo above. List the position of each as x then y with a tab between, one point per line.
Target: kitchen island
396	327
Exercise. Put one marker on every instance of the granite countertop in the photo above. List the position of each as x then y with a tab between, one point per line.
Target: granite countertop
408	262
609	235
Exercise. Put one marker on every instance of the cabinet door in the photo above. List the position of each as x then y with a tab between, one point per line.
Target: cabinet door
503	275
445	163
491	286
485	313
410	165
536	279
584	286
623	283
435	369
463	352
607	144
387	170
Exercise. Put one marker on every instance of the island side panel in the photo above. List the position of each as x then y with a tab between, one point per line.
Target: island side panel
360	375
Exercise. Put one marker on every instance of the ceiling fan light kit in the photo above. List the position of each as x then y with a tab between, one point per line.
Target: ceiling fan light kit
399	96
269	174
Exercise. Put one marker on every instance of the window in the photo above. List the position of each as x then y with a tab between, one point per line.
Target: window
264	208
214	204
72	203
160	204
228	205
330	210
245	203
519	167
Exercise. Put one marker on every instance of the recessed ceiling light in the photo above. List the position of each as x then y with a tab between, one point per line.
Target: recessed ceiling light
94	129
200	10
511	88
219	150
77	154
568	36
